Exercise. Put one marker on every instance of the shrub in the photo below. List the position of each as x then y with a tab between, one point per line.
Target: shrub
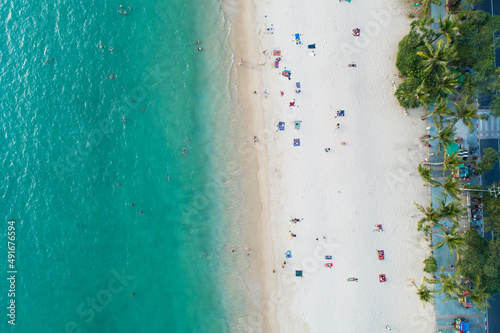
430	265
408	62
405	93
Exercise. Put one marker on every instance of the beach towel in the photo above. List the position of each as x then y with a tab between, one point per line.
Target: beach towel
277	53
311	46
296	142
297	39
276	64
281	126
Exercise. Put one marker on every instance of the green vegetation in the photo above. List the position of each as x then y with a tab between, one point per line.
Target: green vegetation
457	59
407	60
488	160
443	70
430	265
492	214
424	293
480	261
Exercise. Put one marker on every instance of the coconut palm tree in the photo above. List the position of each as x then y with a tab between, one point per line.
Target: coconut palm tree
425	173
437	58
479	296
430	219
424	293
451	238
451	161
441	109
446	82
451	186
452	210
424	27
465	112
451	285
448	27
445	135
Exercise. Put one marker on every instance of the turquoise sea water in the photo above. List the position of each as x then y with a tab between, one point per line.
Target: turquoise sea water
82	249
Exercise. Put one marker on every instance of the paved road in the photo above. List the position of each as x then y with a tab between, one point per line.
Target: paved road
493	6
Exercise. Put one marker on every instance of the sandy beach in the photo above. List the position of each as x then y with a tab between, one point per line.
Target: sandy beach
339	195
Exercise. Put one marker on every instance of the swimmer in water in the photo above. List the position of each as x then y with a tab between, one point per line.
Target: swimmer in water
199	49
197	42
111	77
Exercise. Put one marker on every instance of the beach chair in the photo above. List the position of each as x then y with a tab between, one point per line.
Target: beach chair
297	124
297	87
297	39
281	126
381	254
296	142
276	64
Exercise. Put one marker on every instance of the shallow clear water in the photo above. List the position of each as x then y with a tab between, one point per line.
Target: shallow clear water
82	249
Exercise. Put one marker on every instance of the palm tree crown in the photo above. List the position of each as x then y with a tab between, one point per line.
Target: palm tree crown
424	293
452	239
451	186
437	58
465	112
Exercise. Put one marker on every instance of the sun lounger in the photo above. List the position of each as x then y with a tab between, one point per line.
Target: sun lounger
281	126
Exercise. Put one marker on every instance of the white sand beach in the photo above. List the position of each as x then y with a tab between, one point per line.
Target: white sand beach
339	195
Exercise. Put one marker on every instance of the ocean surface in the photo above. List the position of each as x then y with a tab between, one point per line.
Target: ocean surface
114	146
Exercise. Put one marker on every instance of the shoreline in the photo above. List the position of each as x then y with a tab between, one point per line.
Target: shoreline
253	160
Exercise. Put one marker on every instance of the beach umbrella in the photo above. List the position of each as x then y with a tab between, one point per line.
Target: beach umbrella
452	148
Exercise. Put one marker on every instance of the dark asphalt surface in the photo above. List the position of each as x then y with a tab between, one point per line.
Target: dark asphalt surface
492	6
